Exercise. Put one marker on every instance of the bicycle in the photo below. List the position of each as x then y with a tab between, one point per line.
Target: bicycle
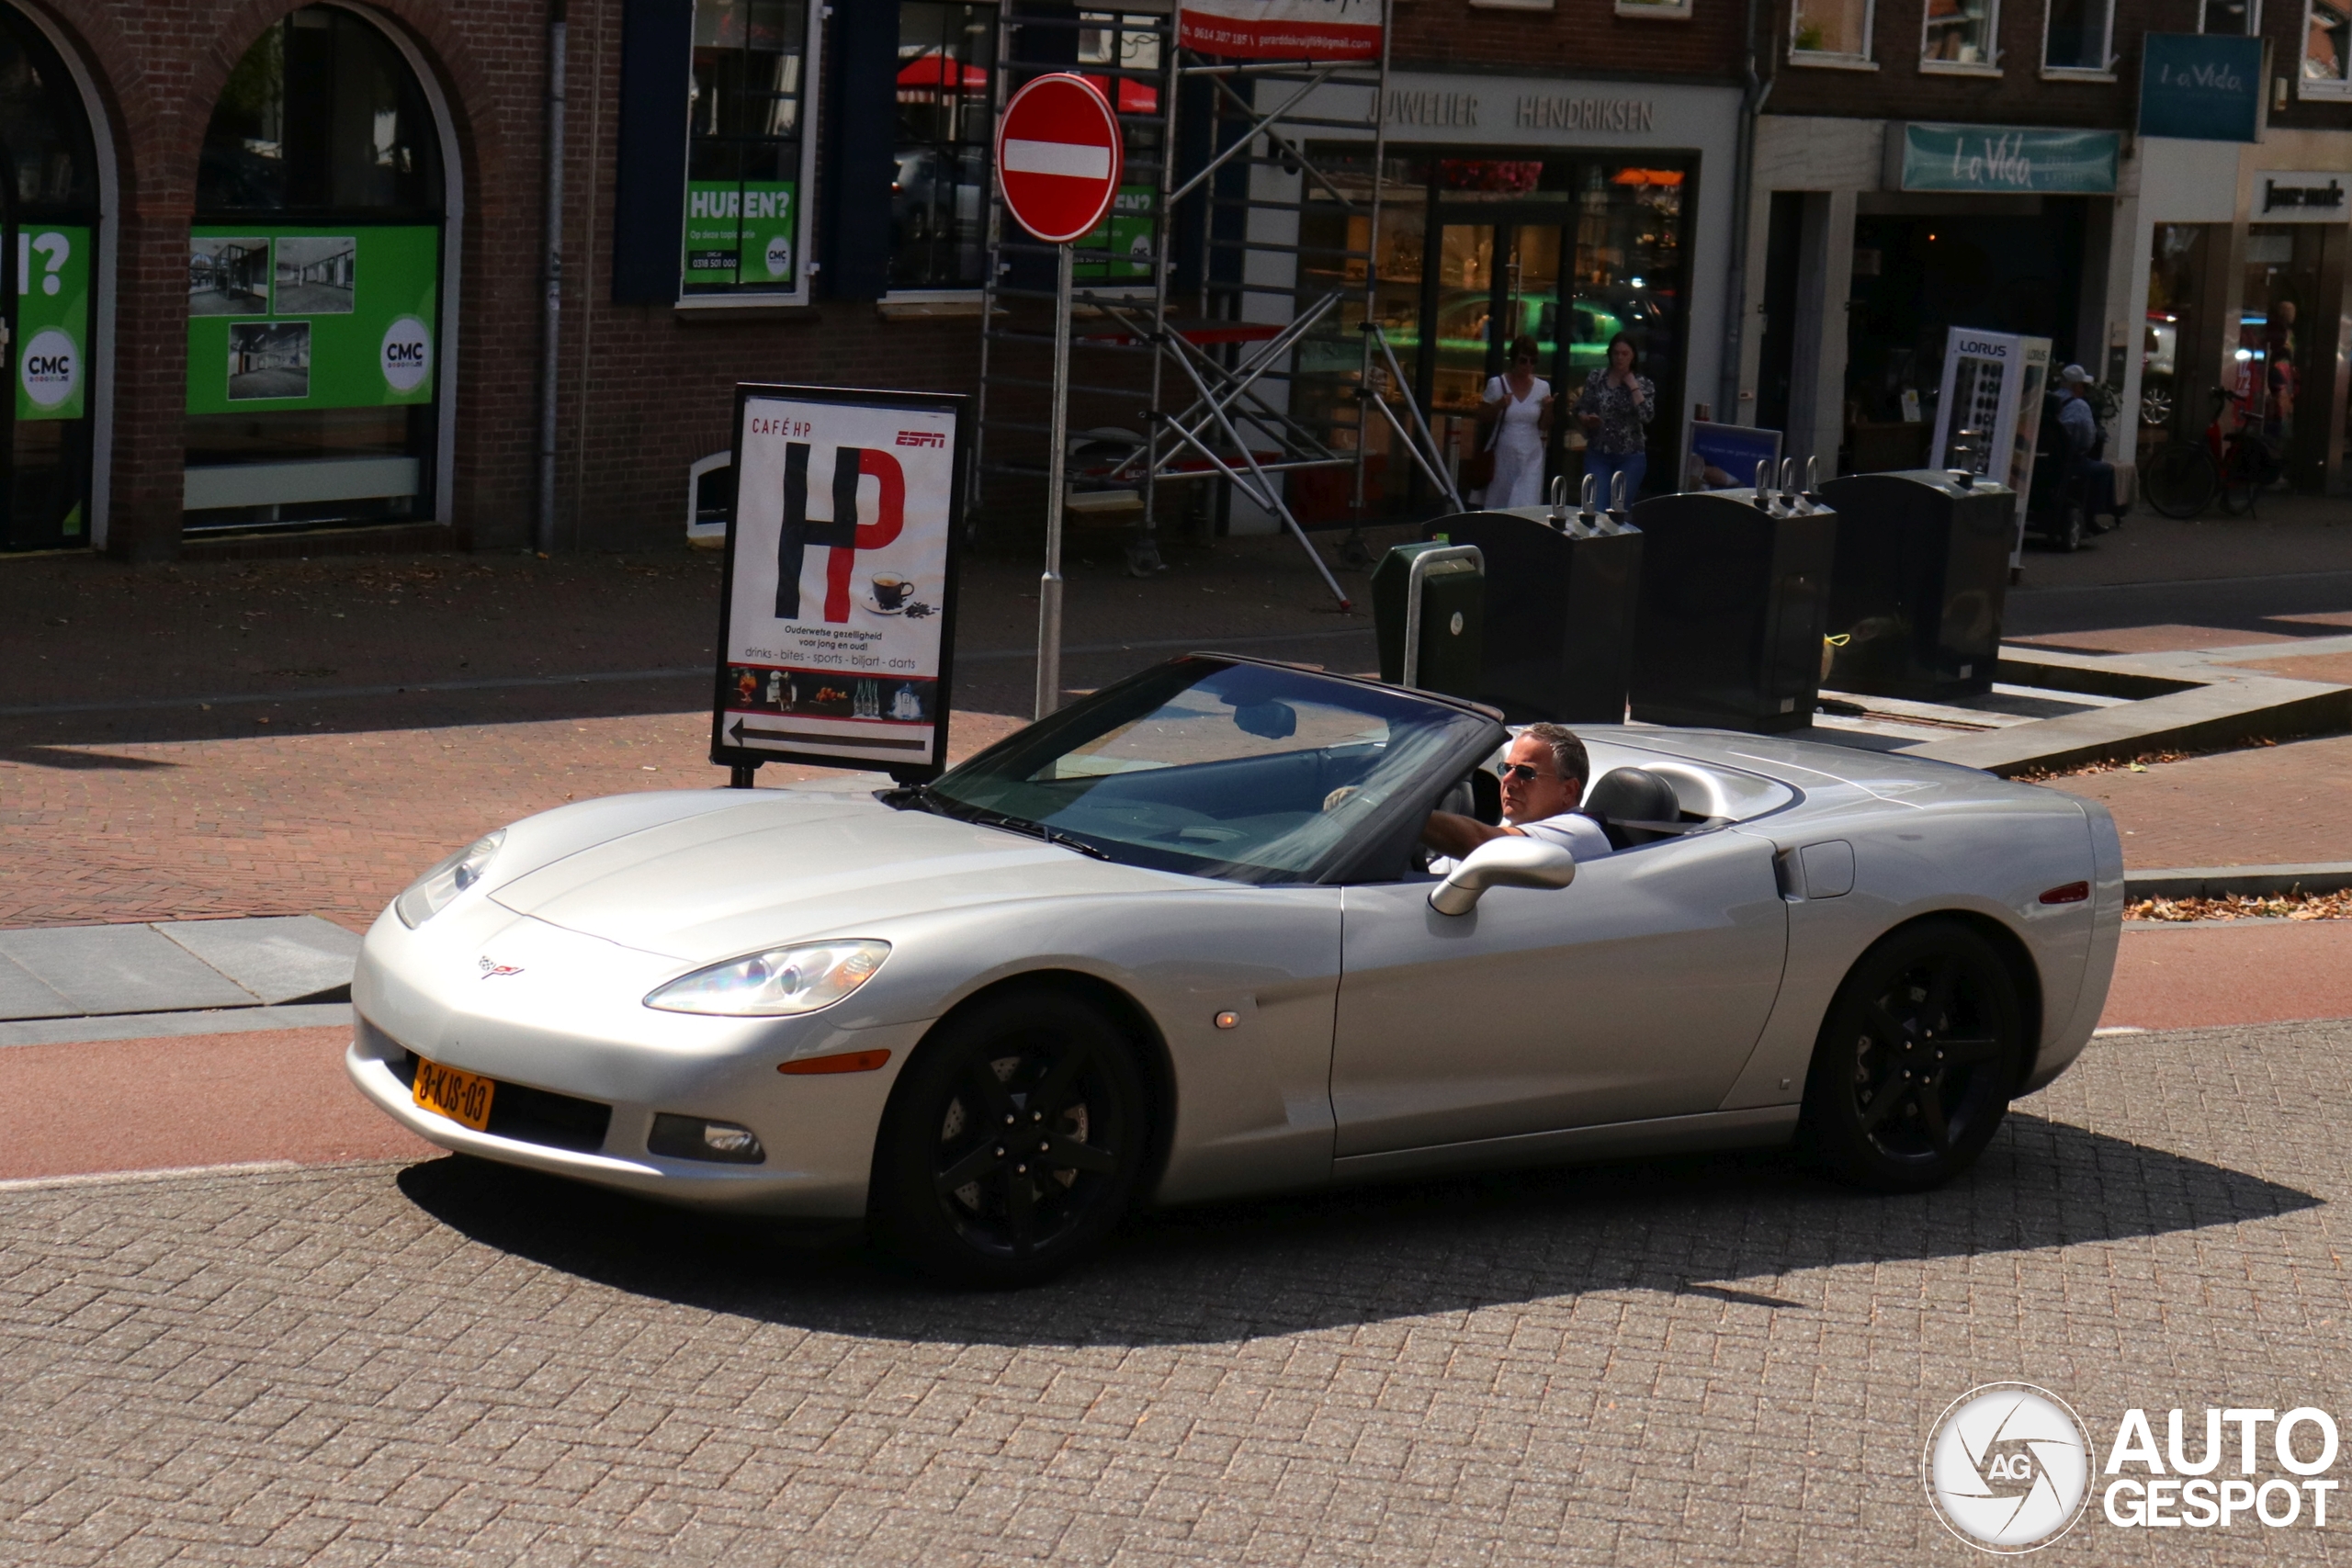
2184	476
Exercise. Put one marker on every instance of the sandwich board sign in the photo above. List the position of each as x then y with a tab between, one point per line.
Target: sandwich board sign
837	616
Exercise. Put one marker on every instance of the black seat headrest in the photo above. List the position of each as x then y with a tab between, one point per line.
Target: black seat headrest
1628	800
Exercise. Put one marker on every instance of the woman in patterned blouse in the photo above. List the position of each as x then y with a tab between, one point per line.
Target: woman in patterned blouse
1615	408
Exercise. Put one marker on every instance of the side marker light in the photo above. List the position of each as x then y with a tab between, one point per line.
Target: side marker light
847	1062
2073	893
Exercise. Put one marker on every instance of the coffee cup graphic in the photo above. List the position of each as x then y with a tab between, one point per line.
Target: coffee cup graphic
891	591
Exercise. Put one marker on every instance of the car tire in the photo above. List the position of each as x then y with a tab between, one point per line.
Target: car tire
956	1196
1916	1059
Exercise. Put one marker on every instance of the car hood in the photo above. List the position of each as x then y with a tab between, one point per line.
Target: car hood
724	882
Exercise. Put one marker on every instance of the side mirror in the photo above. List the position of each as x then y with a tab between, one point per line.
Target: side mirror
1509	862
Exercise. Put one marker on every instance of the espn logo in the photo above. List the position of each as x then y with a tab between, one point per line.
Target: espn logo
923	438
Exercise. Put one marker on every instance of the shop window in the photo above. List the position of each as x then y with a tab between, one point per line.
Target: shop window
313	286
2079	35
1836	28
1475	252
1119	54
746	171
2171	382
1960	33
51	171
2239	19
2327	45
939	181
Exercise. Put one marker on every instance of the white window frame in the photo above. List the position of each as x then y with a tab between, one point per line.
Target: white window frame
2083	73
2253	19
1838	60
1655	10
812	83
1965	67
2333	88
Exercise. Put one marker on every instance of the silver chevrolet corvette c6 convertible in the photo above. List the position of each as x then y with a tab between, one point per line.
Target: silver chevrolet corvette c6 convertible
1179	941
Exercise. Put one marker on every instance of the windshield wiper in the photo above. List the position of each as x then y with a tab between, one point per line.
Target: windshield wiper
923	797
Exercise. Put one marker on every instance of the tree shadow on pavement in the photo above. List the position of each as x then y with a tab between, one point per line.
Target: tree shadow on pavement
1231	1271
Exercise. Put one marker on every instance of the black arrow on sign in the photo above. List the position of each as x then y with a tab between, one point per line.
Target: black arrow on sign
819	737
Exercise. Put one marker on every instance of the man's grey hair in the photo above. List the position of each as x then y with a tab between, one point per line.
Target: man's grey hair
1567	752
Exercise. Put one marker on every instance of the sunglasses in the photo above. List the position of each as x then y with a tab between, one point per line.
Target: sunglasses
1525	771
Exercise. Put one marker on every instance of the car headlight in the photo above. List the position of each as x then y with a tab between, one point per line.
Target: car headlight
776	984
431	893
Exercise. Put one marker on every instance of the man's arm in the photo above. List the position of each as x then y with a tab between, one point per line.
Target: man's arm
1449	834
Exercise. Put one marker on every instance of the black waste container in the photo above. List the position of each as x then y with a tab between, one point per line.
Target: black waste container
1452	616
1559	611
1922	575
1735	603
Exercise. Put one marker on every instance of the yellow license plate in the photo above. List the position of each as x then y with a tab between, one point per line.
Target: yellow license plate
461	1096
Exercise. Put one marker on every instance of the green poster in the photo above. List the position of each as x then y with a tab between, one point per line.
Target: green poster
52	320
310	318
740	232
1120	246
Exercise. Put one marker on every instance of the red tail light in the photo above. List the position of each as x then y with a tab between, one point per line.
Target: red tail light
2073	893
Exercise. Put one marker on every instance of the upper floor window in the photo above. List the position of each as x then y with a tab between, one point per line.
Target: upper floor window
745	119
939	181
1831	26
1960	32
2241	19
2327	43
322	115
2079	35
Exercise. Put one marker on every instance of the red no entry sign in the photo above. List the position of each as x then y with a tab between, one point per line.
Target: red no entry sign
1057	157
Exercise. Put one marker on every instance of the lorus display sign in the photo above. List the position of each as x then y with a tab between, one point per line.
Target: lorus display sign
837	617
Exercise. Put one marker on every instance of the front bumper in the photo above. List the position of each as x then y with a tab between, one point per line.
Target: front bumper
567	1021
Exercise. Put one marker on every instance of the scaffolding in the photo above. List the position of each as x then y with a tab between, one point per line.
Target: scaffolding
1193	302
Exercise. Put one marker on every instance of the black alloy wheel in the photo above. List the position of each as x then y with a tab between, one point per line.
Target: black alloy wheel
1917	1060
1013	1142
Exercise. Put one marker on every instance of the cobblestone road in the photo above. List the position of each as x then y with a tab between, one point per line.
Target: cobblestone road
1703	1361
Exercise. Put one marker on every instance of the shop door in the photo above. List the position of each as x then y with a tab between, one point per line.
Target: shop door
1490	284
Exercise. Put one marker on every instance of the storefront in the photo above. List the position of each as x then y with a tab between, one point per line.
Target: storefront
318	335
1877	237
1567	212
52	205
2244	282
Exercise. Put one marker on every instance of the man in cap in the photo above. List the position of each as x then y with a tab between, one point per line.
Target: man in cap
2081	426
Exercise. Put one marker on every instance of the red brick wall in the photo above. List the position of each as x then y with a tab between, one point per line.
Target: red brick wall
1577	38
2020	96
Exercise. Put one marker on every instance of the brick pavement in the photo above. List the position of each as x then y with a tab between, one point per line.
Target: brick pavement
2287	804
328	823
1699	1360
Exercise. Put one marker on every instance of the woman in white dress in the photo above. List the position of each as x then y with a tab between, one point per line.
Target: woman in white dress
1519	404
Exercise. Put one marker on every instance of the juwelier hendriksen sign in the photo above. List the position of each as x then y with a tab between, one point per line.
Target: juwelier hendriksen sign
836	616
310	318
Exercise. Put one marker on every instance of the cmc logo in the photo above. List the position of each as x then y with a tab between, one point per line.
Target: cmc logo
923	438
779	257
50	368
2007	1467
408	354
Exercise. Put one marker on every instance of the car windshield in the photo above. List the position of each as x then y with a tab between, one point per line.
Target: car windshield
1247	772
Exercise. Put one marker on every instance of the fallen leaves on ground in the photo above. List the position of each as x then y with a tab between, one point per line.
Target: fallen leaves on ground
2335	906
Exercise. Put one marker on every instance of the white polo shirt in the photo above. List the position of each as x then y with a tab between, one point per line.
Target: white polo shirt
1580	836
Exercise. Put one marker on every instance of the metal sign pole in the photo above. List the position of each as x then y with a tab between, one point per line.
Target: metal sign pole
1049	586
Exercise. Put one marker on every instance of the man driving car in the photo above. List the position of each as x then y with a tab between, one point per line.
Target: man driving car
1543	778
